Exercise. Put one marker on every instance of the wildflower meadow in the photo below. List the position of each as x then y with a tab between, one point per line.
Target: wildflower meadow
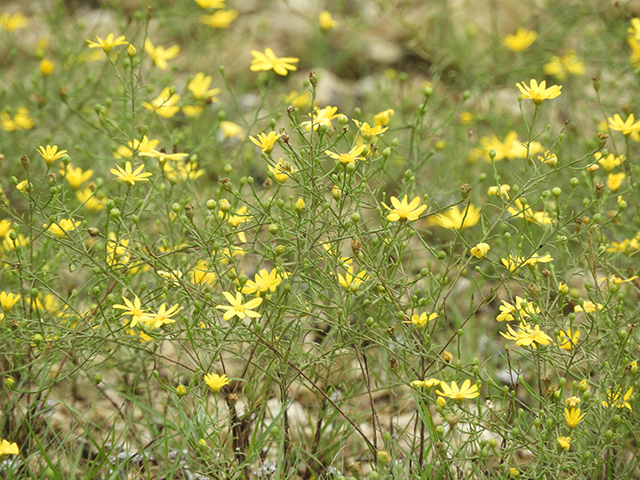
295	239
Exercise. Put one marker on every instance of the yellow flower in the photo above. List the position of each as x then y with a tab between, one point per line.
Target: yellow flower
299	206
403	211
51	154
230	129
298	99
164	104
617	281
199	86
282	170
506	312
265	142
321	117
46	67
563	289
614	181
211	3
220	19
567	339
216	382
514	263
502	191
75	176
89	200
526	309
137	146
182	171
268	61
526	336
7	448
117	251
238	309
159	55
480	250
564	442
64	226
561	66
610	161
614	399
627	127
352	282
520	41
163	317
541	218
173	277
346	158
367	131
514	472
201	275
20	121
572	402
465	118
511	148
8	300
588	307
5	226
326	22
549	158
625	246
465	391
192	110
13	22
132	309
573	417
264	282
634	43
422	320
455	219
163	156
432	382
129	176
25	186
383	118
107	44
539	93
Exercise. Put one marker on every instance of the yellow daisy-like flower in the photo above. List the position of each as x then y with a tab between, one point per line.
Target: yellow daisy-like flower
564	442
626	127
519	211
237	308
129	176
572	402
422	320
108	43
269	61
403	211
521	40
368	132
8	300
549	158
265	141
432	382
216	382
162	317
7	448
282	170
465	391
163	156
230	130
588	307
137	146
501	191
614	181
539	93
87	197
63	227
614	400
321	117
456	219
610	161
75	176
132	309
480	250
326	22
506	312
201	275
263	282
20	121
220	19
573	417
352	282
527	336
566	64
346	158
51	154
199	86
160	55
11	23
568	339
382	119
164	104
